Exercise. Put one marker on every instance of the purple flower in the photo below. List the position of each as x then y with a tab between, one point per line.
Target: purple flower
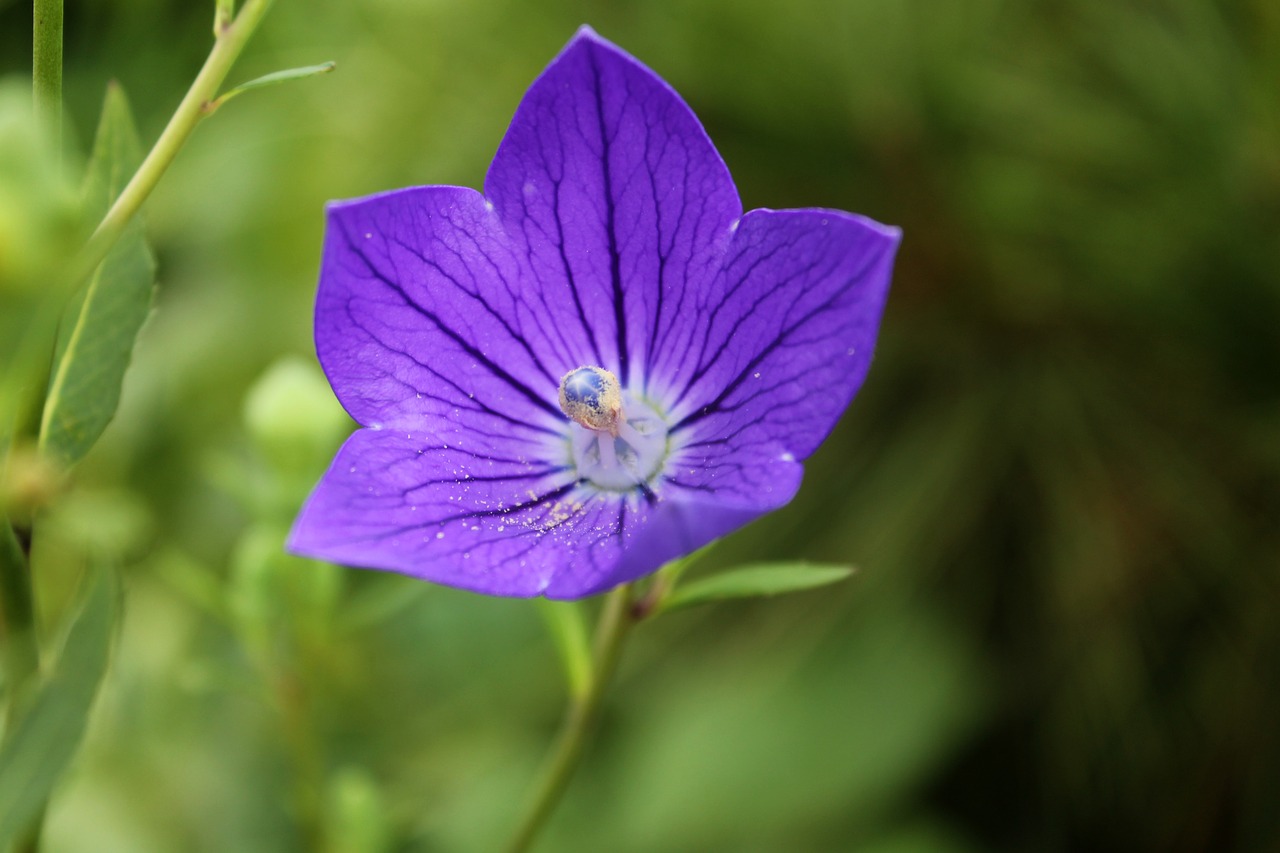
597	366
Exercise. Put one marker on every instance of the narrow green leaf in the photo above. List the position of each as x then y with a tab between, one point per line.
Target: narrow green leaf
753	582
272	79
40	746
98	329
117	153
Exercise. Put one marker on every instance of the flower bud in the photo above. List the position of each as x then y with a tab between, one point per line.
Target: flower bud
292	416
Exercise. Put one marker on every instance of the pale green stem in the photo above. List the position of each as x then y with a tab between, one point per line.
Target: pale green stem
230	41
46	64
579	721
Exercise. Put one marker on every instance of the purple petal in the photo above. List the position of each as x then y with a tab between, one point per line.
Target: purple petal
790	326
609	185
697	513
421	315
477	519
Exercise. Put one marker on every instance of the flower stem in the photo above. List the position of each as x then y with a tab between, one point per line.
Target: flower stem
579	720
46	64
231	37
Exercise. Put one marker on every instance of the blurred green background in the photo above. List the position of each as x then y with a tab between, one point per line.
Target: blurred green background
1061	482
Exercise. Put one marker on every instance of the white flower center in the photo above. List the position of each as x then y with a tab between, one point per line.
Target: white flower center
617	442
620	463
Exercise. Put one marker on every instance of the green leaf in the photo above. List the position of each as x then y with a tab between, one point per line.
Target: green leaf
117	153
43	741
569	633
21	657
273	79
753	582
98	329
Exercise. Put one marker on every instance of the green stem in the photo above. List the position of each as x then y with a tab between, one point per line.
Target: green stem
231	38
579	721
46	64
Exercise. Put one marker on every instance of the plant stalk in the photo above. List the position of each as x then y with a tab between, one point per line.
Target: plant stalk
580	718
230	40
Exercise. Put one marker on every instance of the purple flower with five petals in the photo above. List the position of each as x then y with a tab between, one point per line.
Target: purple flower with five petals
598	365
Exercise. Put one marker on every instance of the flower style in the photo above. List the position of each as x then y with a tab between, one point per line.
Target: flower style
598	365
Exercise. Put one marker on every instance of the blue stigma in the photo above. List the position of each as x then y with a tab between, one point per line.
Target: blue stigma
590	396
584	386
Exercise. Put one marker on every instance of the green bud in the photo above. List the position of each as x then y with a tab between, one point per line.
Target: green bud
293	418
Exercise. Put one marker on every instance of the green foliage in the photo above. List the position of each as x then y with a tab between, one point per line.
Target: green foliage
44	738
756	581
98	329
